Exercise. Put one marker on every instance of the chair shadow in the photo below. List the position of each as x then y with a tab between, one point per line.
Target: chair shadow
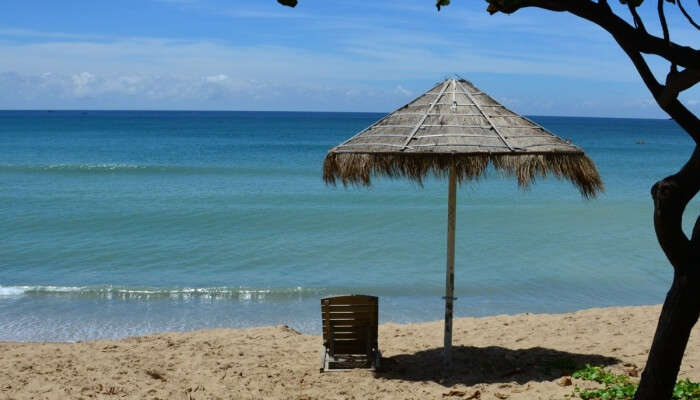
473	365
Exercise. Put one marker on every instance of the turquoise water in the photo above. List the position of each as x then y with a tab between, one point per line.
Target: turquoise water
124	223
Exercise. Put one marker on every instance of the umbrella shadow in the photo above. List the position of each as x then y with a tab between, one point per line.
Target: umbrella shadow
493	364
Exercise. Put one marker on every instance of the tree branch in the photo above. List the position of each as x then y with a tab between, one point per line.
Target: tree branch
695	237
663	95
633	42
604	17
671	195
690	19
662	19
637	20
677	82
643	68
695	244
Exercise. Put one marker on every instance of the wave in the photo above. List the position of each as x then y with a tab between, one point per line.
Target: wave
175	293
10	291
76	167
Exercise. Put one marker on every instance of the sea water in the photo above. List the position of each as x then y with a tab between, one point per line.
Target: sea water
124	223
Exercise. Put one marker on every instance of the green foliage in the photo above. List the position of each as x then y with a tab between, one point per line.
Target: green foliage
686	390
600	375
620	387
617	391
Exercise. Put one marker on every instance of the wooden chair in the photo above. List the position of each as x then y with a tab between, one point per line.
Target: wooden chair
350	333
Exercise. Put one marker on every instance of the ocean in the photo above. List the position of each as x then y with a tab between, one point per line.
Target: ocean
119	223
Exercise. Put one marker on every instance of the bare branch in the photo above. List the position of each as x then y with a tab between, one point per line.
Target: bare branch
677	82
690	19
643	68
671	196
634	42
662	19
604	17
695	238
667	101
637	20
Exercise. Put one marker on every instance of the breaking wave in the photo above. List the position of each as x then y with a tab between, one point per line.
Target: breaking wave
153	293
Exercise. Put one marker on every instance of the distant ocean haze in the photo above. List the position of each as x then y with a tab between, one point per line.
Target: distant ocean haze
122	223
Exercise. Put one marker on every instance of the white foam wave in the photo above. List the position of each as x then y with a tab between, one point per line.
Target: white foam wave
97	167
102	166
11	291
240	293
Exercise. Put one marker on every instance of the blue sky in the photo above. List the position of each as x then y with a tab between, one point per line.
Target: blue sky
321	56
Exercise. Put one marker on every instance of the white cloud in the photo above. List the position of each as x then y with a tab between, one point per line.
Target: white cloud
150	91
82	83
61	71
366	61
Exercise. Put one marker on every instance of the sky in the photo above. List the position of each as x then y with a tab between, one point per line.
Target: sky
327	55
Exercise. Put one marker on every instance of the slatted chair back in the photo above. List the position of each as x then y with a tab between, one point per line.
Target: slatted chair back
350	324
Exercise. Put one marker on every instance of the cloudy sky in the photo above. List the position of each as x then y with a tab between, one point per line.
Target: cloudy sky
321	56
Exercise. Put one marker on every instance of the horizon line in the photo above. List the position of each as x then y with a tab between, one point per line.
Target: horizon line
281	111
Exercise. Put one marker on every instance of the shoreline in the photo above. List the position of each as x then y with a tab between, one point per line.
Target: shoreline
317	334
301	315
521	356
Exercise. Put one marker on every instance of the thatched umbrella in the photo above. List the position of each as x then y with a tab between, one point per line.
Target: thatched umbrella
456	129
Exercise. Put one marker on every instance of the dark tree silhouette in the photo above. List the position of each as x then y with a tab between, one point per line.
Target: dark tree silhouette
671	195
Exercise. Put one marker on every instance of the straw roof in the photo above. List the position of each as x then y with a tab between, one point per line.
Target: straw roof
456	124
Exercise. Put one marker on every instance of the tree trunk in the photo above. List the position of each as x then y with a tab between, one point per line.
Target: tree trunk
682	306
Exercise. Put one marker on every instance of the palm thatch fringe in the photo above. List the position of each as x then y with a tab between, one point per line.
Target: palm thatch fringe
358	168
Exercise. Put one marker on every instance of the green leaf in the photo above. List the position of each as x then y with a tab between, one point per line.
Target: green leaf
619	387
686	390
600	375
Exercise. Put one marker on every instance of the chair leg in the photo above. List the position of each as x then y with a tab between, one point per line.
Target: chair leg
375	358
369	350
324	353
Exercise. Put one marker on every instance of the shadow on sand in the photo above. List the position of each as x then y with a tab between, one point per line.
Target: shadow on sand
473	365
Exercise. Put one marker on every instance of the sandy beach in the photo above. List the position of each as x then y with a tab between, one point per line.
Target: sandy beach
524	356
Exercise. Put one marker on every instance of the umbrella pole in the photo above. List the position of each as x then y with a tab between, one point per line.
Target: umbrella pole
450	273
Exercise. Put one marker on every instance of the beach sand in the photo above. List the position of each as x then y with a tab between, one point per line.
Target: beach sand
524	356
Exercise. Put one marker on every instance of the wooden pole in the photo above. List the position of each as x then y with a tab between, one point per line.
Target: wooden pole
450	273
